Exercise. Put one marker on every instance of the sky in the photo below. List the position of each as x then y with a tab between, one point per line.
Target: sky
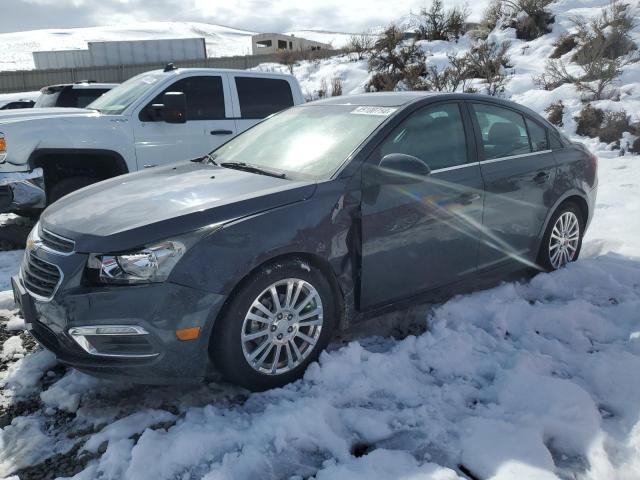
254	15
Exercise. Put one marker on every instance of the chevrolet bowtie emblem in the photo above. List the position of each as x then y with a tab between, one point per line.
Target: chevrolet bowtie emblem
31	244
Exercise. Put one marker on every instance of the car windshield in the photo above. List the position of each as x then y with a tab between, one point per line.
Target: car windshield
115	101
312	140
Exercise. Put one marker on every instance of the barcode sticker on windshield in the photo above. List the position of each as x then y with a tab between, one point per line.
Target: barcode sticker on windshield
382	111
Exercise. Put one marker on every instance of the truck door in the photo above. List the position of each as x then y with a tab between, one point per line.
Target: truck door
255	98
207	125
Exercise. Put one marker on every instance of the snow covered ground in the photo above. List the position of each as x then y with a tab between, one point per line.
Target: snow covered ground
221	41
530	380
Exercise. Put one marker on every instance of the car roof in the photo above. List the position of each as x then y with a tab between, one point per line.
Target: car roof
398	99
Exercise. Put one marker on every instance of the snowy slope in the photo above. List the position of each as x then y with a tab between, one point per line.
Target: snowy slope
221	41
532	380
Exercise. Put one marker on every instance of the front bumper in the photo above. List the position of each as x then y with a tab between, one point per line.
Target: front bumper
22	191
158	309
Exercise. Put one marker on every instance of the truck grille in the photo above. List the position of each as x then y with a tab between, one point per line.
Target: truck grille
56	243
40	278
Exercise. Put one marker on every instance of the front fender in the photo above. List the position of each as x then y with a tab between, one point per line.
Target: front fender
88	131
320	227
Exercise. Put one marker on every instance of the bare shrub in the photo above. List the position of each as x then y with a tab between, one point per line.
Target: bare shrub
289	58
489	61
436	23
336	86
555	112
490	18
391	61
323	89
607	35
589	121
564	45
360	44
613	126
530	18
604	48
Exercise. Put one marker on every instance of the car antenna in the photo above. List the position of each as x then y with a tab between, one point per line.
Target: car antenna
169	67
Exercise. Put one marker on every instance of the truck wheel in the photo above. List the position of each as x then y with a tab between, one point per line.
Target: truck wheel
68	185
278	322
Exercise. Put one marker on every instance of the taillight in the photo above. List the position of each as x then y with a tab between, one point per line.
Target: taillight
594	160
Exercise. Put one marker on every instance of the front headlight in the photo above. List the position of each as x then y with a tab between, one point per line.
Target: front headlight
151	264
3	148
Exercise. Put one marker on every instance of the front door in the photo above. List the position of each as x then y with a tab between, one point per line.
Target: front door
206	128
421	232
519	171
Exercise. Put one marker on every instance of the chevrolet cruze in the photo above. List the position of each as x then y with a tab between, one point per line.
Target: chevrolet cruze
245	262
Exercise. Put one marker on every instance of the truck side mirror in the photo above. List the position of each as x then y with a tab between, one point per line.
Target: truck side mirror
174	107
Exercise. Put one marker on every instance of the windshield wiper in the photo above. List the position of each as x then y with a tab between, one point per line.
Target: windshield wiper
253	169
209	159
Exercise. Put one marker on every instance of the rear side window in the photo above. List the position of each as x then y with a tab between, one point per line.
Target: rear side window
204	95
503	131
260	97
538	136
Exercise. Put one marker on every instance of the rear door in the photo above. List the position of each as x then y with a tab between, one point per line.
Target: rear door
422	233
255	98
209	123
519	172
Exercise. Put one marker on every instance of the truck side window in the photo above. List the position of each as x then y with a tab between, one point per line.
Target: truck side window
204	95
260	97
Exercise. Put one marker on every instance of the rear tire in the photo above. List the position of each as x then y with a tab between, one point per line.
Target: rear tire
68	185
562	240
269	345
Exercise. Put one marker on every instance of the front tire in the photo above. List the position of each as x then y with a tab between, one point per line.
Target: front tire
276	324
562	240
66	186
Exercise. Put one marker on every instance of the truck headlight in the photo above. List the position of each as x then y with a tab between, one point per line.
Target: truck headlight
3	148
151	264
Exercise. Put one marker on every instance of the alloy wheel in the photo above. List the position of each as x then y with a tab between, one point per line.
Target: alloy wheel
564	240
282	326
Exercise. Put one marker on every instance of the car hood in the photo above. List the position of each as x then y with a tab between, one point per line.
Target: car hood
131	210
28	113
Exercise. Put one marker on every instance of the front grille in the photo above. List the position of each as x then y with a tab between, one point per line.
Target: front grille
40	278
56	242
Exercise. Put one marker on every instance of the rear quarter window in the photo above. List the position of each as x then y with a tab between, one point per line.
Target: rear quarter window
260	97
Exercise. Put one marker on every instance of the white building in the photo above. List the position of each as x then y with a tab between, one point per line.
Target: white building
128	52
263	43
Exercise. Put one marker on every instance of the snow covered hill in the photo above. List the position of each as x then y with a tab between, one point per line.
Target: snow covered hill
532	380
17	48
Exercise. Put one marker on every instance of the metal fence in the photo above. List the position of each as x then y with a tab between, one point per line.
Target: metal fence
30	80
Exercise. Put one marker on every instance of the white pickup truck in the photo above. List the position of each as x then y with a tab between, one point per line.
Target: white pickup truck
152	119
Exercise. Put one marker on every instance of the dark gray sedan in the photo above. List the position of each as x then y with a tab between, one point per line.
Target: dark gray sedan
246	262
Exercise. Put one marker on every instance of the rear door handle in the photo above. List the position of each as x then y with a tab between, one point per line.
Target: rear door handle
541	177
468	198
221	132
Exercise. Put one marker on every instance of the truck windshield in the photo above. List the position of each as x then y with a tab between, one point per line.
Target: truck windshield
115	101
312	140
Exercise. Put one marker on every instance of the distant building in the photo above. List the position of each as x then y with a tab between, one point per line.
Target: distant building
128	52
263	43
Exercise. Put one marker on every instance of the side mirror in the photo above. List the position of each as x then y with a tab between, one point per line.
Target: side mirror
173	108
402	168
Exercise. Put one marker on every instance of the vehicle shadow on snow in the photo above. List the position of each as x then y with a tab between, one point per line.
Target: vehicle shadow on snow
531	378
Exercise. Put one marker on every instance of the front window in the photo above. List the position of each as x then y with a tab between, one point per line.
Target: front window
311	140
116	101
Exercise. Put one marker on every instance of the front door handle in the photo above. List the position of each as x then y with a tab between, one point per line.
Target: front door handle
541	177
221	132
468	198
